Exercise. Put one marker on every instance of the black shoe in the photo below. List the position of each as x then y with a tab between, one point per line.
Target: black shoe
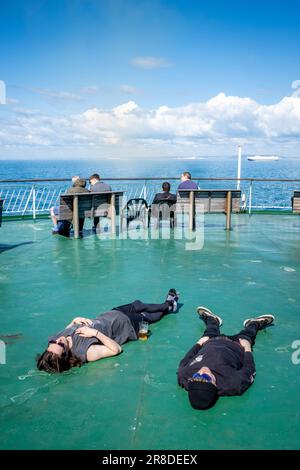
174	294
172	299
205	313
262	320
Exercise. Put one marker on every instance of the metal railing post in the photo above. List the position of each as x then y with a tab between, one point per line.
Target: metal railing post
33	202
145	190
250	197
238	185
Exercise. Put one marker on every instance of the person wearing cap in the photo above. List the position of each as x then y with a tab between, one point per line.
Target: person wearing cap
220	365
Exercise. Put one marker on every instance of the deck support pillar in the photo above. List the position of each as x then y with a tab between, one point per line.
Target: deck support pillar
228	210
113	214
192	211
76	216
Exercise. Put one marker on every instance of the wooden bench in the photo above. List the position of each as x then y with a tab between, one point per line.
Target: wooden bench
76	206
296	202
208	200
1	207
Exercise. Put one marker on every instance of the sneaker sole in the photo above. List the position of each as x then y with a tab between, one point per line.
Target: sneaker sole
209	314
267	317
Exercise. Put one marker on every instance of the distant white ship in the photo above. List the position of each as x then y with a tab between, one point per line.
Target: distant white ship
260	158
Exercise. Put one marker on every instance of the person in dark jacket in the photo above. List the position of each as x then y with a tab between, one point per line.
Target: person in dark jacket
97	186
163	205
220	365
165	195
78	186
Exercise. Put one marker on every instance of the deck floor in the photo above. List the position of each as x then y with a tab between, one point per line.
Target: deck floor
132	401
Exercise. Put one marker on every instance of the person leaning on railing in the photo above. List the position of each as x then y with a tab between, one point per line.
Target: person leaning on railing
97	186
79	186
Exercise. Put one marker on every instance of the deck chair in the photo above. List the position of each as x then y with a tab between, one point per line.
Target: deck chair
161	211
135	209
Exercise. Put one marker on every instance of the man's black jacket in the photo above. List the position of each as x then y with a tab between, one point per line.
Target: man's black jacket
233	368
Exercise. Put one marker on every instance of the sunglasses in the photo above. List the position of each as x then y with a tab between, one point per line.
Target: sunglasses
197	377
62	345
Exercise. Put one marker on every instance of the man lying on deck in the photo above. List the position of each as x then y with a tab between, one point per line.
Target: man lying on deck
219	365
85	340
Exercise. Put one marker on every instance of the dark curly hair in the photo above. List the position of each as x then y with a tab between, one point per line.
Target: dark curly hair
50	362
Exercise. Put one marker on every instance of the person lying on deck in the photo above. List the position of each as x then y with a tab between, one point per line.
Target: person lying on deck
219	365
85	340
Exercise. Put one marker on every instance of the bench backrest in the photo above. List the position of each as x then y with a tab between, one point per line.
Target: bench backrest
89	204
212	200
296	201
1	206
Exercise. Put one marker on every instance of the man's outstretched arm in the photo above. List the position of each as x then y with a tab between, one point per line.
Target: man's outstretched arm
239	380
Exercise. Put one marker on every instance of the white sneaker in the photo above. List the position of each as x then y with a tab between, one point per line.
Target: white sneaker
263	320
204	313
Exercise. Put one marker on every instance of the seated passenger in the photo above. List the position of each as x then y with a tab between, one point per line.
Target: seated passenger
163	206
62	227
97	186
85	340
165	195
54	211
186	181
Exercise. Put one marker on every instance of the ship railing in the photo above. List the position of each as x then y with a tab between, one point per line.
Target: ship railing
35	197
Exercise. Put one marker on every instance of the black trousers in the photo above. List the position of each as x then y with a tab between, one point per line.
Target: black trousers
138	311
249	333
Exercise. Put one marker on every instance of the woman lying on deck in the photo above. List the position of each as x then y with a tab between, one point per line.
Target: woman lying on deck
85	340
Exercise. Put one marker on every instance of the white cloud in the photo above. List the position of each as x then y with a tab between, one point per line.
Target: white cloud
55	94
90	90
222	120
12	101
150	62
128	90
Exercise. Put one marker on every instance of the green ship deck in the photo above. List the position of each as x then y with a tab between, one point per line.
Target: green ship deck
132	401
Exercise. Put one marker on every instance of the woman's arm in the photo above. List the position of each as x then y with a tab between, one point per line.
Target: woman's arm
97	352
109	343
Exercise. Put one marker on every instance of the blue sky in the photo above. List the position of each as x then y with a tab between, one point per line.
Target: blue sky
68	64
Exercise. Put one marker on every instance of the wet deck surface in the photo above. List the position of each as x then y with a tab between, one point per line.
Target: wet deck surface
132	401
